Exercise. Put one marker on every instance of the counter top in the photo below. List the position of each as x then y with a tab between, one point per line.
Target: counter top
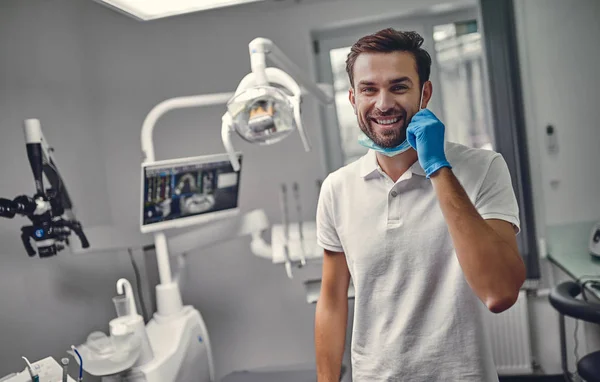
568	250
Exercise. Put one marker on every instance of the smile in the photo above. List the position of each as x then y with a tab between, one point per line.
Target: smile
387	121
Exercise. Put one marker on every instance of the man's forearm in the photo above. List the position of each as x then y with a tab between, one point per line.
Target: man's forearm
330	337
491	266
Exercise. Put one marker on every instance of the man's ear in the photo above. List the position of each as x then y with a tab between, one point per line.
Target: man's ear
352	99
427	93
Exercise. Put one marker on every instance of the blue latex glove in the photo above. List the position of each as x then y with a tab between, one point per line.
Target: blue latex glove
425	133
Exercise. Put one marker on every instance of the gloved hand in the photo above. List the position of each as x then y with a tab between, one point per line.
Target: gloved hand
425	133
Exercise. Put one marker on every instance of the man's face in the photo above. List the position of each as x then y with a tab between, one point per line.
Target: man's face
386	95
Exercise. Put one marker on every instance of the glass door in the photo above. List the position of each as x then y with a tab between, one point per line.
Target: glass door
459	60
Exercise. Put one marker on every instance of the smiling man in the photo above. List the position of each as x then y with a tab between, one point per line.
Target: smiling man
426	230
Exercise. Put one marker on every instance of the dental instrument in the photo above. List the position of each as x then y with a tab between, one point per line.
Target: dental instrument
80	379
296	189
34	376
44	370
286	230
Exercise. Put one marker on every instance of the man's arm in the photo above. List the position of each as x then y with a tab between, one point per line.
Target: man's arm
331	316
486	249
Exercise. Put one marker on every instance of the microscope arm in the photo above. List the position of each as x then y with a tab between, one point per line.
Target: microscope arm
42	162
50	210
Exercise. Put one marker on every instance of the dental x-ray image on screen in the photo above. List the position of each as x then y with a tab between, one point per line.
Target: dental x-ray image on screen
178	192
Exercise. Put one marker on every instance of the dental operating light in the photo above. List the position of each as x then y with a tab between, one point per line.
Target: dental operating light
261	110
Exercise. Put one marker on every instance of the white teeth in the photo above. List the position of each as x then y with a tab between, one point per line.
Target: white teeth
387	121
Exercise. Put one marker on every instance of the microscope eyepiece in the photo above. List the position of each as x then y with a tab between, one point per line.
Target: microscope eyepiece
7	208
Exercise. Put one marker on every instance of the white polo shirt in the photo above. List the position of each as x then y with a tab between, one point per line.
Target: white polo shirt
415	316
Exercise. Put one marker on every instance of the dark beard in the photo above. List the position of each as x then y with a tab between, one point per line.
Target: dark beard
387	141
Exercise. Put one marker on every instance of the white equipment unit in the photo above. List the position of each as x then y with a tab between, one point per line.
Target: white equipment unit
299	245
47	370
175	344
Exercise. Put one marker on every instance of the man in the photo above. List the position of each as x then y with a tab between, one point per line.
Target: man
425	229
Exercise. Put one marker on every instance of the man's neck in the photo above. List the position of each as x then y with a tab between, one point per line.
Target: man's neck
397	165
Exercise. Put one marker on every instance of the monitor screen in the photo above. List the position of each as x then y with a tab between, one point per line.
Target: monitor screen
181	192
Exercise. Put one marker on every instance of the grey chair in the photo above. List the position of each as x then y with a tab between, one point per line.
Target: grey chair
563	299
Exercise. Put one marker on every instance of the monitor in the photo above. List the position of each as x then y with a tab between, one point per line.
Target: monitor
181	192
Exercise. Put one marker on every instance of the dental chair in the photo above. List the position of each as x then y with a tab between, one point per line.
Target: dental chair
563	299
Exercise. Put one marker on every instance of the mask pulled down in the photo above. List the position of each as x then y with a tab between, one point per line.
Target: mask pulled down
367	142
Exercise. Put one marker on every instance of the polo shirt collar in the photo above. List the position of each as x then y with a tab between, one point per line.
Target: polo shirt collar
370	168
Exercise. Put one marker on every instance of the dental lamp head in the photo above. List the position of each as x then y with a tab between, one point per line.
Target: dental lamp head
265	108
263	115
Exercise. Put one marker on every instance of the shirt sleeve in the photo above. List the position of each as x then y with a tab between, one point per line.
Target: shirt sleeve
496	198
327	236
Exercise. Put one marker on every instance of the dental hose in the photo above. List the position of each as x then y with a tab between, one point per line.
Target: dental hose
34	376
80	364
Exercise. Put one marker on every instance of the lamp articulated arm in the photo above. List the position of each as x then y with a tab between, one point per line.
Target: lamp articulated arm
261	48
173	104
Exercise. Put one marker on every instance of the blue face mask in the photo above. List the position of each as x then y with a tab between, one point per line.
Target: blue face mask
367	142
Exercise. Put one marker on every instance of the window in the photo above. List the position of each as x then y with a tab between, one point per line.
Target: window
459	59
346	118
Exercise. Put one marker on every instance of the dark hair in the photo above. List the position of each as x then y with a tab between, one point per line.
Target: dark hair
387	41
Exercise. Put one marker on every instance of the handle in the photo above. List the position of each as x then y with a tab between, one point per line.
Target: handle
123	285
298	119
25	235
226	128
76	227
24	205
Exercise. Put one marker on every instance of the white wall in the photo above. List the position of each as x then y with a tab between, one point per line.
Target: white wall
560	59
47	305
